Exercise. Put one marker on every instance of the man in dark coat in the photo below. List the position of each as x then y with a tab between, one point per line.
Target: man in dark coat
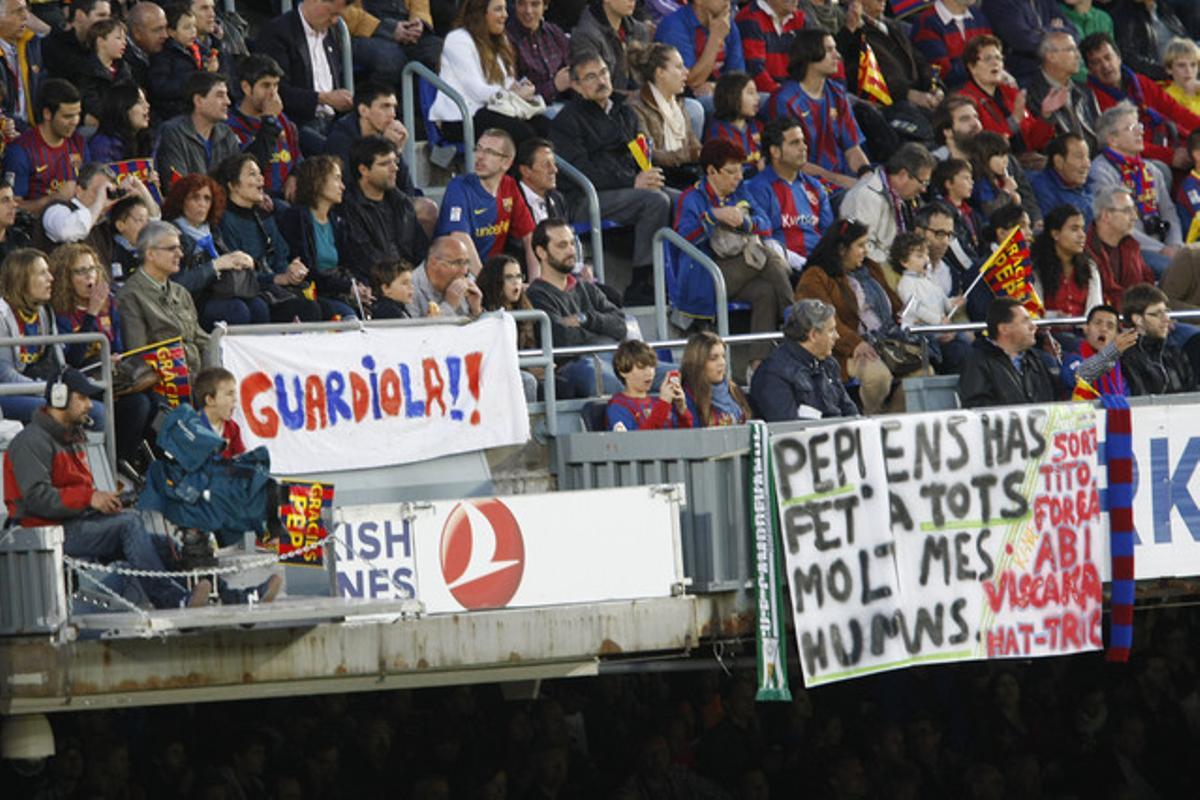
1003	369
1152	366
801	379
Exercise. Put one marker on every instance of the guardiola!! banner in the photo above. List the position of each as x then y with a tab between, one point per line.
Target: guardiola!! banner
381	396
992	551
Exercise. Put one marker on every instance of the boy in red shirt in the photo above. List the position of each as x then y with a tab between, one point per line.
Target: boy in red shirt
214	393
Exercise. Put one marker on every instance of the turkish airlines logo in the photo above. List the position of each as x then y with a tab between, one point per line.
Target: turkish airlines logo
483	554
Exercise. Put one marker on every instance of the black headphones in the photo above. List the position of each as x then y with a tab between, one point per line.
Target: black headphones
60	393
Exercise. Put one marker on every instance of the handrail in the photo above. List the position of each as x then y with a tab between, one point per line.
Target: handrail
1045	322
39	387
666	235
594	218
408	92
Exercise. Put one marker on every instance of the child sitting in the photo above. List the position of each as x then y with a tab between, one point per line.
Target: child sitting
634	409
1189	192
392	283
1181	60
214	393
925	301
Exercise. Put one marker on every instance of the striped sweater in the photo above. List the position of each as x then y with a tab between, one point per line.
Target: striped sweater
942	44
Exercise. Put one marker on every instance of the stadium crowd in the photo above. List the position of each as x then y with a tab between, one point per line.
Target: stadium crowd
1048	729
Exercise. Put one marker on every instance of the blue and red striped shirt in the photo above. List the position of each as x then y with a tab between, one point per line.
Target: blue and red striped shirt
828	122
286	156
796	212
765	47
748	138
468	207
683	31
942	43
36	168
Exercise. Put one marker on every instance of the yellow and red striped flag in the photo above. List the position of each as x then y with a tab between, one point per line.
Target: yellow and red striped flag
1084	390
640	147
871	84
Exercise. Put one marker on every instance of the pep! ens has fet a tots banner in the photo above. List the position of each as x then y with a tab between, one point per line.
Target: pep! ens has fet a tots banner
380	396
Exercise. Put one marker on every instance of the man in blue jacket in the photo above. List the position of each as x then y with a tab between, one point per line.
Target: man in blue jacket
801	379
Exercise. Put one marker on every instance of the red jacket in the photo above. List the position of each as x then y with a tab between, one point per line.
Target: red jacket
47	478
1155	98
1116	278
994	111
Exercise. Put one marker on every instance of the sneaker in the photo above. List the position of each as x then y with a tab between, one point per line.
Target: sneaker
199	596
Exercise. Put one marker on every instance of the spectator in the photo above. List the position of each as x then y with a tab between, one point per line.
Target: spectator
1002	108
411	26
479	62
391	290
579	312
801	378
826	15
941	33
73	220
1121	163
1098	361
154	307
1002	369
1181	281
543	50
21	59
905	72
713	398
25	292
304	46
12	236
1065	178
114	238
284	279
381	222
214	393
767	30
675	147
1111	245
1054	95
633	408
1111	82
1153	366
606	30
502	286
718	216
486	208
1021	24
375	47
1188	192
83	303
105	67
263	129
926	303
735	112
43	160
995	185
1087	19
954	180
955	124
172	68
795	205
1144	30
207	34
820	103
885	197
593	132
839	273
66	50
47	482
123	131
317	234
1063	276
195	205
952	266
708	42
199	141
147	37
442	287
1180	60
538	170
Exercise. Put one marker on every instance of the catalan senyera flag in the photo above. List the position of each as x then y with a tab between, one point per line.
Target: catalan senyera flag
871	84
1084	390
1009	273
640	147
170	362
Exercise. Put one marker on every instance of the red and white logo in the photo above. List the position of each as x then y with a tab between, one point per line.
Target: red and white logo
483	554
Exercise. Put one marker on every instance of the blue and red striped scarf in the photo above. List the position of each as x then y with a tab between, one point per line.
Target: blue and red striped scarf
1137	177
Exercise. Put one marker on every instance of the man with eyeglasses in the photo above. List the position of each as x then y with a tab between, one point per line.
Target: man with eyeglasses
883	200
1153	366
486	209
443	286
950	266
1053	93
1110	243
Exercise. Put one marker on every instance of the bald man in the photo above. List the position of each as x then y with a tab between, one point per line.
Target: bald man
147	35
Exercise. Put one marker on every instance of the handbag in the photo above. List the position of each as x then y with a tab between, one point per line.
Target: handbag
511	104
240	283
727	242
901	356
133	375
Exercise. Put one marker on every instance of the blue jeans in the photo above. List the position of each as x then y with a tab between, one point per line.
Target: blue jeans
234	311
121	537
23	407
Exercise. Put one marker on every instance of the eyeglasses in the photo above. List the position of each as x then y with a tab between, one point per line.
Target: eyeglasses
940	234
1162	312
480	149
1123	210
81	271
176	247
1133	126
592	77
992	58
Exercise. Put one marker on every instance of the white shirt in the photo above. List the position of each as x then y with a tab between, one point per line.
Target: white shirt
776	19
947	16
67	222
321	72
537	204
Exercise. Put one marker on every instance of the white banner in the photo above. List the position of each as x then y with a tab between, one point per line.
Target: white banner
512	552
991	552
356	399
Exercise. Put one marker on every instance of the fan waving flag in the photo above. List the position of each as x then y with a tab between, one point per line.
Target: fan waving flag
871	84
1008	273
1084	390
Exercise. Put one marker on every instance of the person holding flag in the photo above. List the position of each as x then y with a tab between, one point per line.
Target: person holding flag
1096	368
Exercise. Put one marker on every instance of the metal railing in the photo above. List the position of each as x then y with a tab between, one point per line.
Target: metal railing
408	91
666	236
38	388
594	218
1043	322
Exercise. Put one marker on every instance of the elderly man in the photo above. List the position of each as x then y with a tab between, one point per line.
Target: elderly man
1053	93
1002	368
21	54
154	307
442	287
1110	243
801	378
1120	163
1065	178
147	35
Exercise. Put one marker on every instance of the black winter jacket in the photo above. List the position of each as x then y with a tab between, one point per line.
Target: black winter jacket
597	143
1137	39
792	376
989	378
1151	367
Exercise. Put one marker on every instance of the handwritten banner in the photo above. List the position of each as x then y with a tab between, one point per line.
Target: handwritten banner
380	396
169	360
304	509
992	550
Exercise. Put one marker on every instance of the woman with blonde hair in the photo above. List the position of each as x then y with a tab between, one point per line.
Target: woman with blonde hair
714	400
479	62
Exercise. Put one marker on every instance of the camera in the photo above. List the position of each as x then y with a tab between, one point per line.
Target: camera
1157	227
115	192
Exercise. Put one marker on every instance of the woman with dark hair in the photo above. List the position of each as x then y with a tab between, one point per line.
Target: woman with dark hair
479	62
1063	275
839	274
502	284
660	112
194	206
314	228
26	287
105	67
124	129
954	180
712	397
995	185
282	281
735	117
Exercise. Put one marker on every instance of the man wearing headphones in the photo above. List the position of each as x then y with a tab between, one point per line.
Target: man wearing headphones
47	481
